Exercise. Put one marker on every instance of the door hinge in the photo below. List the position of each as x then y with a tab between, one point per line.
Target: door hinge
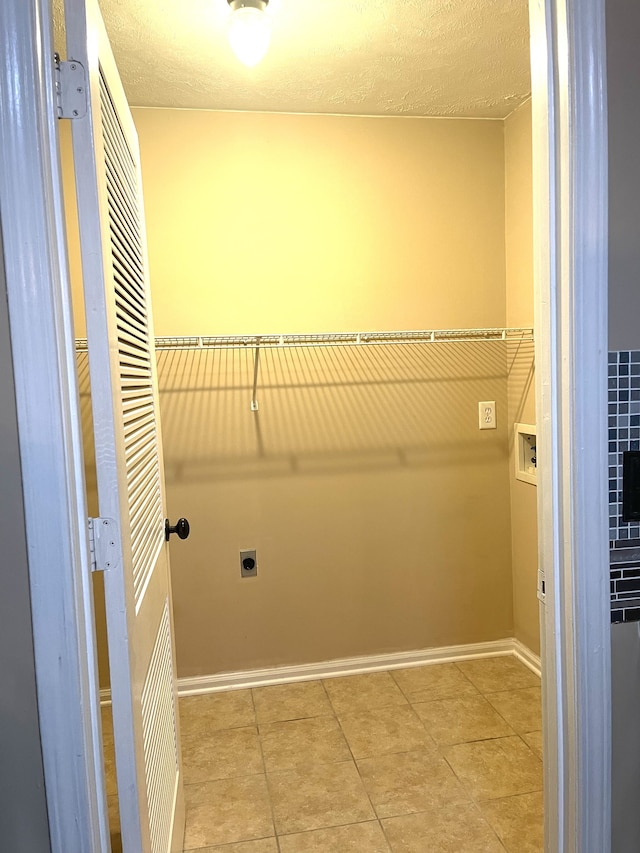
103	544
71	88
542	586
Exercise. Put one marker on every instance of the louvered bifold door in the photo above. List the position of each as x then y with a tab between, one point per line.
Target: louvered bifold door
127	447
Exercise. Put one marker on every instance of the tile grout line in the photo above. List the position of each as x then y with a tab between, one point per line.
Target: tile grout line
439	751
500	799
325	828
384	833
353	758
266	775
464	675
465	787
355	761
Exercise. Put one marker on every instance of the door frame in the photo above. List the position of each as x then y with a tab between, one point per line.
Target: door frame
568	50
50	435
570	238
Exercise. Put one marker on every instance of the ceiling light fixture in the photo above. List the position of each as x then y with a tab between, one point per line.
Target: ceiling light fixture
249	30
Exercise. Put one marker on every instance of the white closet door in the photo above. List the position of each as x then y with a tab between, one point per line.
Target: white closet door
128	447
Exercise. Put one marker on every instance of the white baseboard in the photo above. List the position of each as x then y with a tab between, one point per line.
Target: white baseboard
527	657
350	666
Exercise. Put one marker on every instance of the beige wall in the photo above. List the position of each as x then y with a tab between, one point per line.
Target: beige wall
363	481
519	306
380	512
278	223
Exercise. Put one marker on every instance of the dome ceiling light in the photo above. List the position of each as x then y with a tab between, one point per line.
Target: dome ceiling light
249	30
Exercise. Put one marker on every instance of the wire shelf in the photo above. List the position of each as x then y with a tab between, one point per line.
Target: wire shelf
341	339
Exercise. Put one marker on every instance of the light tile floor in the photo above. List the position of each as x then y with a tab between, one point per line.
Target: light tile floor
433	759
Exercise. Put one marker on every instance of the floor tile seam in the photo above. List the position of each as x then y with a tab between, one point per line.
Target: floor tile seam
492	798
519	794
466	677
324	687
193	739
187	735
271	807
535	754
331	826
431	742
344	735
308	765
428	811
384	833
226	844
497	710
512	796
277	837
366	792
485	818
297	720
373	819
266	779
404	704
532	732
421	722
435	748
476	695
482	740
502	689
407	694
353	758
328	695
453	695
514	689
479	801
436	752
487	693
502	717
411	708
465	786
397	683
227	778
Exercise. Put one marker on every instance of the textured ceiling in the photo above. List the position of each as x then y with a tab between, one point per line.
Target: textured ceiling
467	58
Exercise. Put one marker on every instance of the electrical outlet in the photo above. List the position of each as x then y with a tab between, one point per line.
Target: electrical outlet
248	564
487	414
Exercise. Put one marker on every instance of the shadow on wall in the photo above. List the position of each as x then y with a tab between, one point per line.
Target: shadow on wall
377	505
328	409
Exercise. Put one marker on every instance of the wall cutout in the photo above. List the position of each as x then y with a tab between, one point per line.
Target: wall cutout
525	455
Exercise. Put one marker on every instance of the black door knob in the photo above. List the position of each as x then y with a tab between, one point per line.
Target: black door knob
181	527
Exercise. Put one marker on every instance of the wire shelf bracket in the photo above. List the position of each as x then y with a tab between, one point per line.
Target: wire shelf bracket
256	365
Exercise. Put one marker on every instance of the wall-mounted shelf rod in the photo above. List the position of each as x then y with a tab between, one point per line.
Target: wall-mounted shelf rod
340	339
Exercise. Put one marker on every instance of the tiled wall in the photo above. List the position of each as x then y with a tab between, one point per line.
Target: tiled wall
624	434
624	565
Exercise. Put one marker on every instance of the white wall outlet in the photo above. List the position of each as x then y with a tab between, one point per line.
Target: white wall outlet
487	415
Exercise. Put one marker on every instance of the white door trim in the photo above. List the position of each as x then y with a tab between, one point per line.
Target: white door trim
42	342
570	238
